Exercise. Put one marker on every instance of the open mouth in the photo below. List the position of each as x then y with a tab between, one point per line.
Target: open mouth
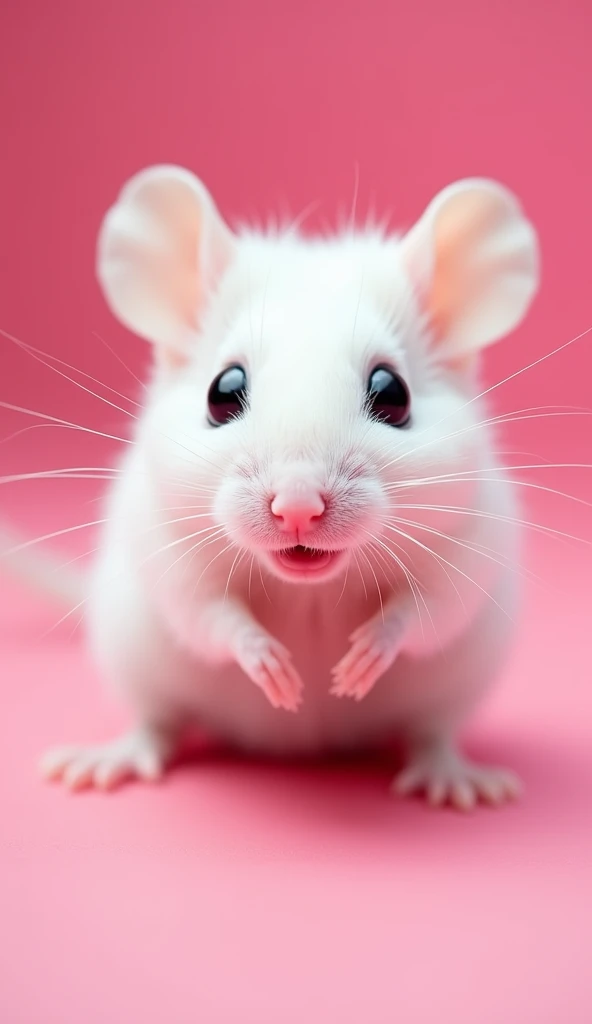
303	561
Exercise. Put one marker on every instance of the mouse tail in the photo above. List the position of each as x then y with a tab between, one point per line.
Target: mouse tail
38	570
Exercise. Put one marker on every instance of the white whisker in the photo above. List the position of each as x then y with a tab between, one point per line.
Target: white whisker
62	619
473	546
237	559
344	584
210	563
120	360
175	543
50	536
369	564
62	423
412	581
25	347
494	421
263	582
34	351
460	510
251	576
361	574
429	550
192	551
493	387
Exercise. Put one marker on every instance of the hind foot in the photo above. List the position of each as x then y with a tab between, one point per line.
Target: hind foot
445	777
141	754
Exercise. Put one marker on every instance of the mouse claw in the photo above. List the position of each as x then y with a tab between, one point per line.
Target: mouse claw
445	777
269	665
374	647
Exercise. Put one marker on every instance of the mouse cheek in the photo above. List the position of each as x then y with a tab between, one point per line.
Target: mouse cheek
225	505
367	508
233	509
372	496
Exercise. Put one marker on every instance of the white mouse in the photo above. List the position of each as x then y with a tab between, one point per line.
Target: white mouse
310	547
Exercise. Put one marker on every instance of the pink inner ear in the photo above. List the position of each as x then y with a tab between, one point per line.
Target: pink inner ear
162	247
461	232
435	251
473	262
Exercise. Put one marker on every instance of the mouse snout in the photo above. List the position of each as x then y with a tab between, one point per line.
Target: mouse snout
298	508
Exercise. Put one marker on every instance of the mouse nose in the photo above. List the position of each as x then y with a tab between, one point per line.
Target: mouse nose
297	510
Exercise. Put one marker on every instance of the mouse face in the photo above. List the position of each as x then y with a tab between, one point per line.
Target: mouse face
316	398
316	409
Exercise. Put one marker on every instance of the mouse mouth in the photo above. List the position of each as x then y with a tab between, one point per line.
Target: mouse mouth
300	561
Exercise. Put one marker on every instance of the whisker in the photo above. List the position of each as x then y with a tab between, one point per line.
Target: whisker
120	360
211	562
369	564
200	546
459	510
263	582
33	353
62	619
344	584
461	477
237	559
473	546
410	576
361	574
74	473
251	576
371	551
181	519
512	376
50	536
412	581
502	469
530	366
500	420
192	551
451	566
62	423
33	426
76	626
177	541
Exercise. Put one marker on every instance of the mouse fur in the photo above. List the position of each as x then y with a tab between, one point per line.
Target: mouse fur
308	576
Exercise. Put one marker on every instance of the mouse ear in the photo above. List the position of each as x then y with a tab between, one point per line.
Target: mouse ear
473	260
161	247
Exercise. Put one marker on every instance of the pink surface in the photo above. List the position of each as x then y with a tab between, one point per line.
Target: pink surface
240	891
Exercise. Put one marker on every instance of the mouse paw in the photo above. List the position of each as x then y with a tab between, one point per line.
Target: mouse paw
447	778
269	665
141	754
374	648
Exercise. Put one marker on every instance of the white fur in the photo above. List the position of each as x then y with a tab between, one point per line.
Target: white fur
179	631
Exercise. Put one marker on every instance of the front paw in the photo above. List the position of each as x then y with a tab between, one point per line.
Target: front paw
269	665
374	648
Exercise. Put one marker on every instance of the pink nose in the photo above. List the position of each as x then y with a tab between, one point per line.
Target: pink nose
297	511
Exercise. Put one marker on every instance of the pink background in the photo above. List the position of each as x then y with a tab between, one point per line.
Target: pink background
238	892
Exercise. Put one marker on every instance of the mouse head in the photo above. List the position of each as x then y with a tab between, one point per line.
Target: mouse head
317	397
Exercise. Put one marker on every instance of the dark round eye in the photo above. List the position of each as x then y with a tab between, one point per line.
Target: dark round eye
227	396
388	397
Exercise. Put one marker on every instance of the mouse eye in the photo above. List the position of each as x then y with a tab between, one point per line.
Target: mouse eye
388	398
227	396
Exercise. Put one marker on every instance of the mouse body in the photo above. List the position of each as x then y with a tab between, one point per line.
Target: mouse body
311	546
